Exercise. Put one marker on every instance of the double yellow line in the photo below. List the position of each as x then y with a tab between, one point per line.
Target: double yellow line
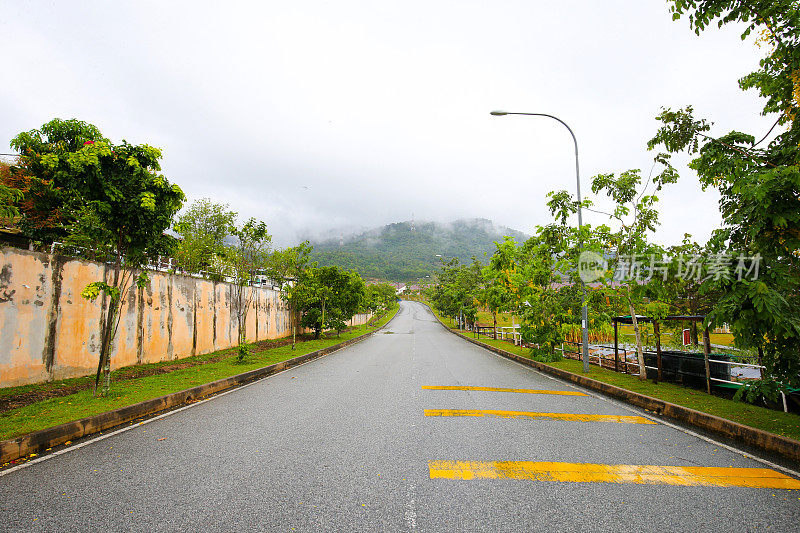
590	472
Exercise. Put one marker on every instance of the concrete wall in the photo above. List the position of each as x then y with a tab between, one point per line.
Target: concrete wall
48	331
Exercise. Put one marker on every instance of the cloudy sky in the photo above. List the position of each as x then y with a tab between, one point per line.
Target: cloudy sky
319	115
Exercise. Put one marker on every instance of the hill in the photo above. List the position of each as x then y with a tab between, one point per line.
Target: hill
396	253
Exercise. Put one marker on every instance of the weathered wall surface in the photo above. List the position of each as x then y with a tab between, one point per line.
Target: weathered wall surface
48	331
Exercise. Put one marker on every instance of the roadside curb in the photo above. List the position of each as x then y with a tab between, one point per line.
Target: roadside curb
758	438
47	438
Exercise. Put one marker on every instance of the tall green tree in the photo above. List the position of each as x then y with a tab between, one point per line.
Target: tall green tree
455	289
244	261
203	229
758	181
635	217
117	206
286	267
379	297
328	297
53	173
496	293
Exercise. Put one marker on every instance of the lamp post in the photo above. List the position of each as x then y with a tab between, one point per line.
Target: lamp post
584	312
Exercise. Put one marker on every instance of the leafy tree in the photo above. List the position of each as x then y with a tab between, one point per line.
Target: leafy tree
497	294
635	216
117	205
286	267
244	261
541	285
57	171
759	184
685	294
10	195
455	289
327	297
203	228
379	297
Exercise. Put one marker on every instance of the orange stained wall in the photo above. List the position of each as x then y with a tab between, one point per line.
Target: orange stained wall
48	331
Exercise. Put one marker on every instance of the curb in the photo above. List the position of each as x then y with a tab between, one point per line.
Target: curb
47	438
758	438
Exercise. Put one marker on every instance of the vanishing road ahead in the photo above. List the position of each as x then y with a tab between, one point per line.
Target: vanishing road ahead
398	433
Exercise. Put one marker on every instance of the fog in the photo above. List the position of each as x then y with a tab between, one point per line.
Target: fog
324	118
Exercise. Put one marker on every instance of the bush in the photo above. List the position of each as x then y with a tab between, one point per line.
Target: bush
545	357
761	391
243	350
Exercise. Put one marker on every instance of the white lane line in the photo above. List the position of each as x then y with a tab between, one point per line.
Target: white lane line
411	508
143	422
659	420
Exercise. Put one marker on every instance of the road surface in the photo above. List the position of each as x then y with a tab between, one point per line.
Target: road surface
354	441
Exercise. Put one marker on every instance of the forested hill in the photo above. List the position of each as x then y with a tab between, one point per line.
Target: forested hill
396	253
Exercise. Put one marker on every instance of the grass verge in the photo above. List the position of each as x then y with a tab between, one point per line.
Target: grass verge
778	422
54	411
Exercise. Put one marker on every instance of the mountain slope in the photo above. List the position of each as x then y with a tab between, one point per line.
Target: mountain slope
396	253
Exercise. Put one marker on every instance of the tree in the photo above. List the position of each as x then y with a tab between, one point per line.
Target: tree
635	216
379	297
455	289
541	284
685	294
244	261
759	185
116	203
57	169
10	195
497	290
286	267
327	297
203	228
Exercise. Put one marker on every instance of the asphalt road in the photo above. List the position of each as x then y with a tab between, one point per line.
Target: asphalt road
343	443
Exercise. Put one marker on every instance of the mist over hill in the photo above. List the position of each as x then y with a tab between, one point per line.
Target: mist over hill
406	251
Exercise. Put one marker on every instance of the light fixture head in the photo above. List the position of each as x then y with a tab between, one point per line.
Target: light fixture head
499	113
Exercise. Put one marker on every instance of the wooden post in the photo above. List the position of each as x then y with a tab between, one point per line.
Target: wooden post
706	353
657	334
616	348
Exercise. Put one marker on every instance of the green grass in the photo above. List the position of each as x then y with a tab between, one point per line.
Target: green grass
786	424
55	411
778	422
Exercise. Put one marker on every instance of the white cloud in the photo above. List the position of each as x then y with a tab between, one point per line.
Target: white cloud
317	114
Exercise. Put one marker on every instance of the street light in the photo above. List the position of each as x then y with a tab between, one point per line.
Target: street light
584	312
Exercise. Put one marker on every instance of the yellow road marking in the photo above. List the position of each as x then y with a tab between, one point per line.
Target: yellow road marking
600	473
622	419
502	389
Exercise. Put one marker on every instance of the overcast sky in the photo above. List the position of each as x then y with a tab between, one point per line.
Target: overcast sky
318	115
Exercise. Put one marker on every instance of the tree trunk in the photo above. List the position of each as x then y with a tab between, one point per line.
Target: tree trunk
241	316
494	319
639	352
695	340
322	324
104	364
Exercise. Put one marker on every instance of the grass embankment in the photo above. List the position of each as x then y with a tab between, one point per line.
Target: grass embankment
127	389
778	422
